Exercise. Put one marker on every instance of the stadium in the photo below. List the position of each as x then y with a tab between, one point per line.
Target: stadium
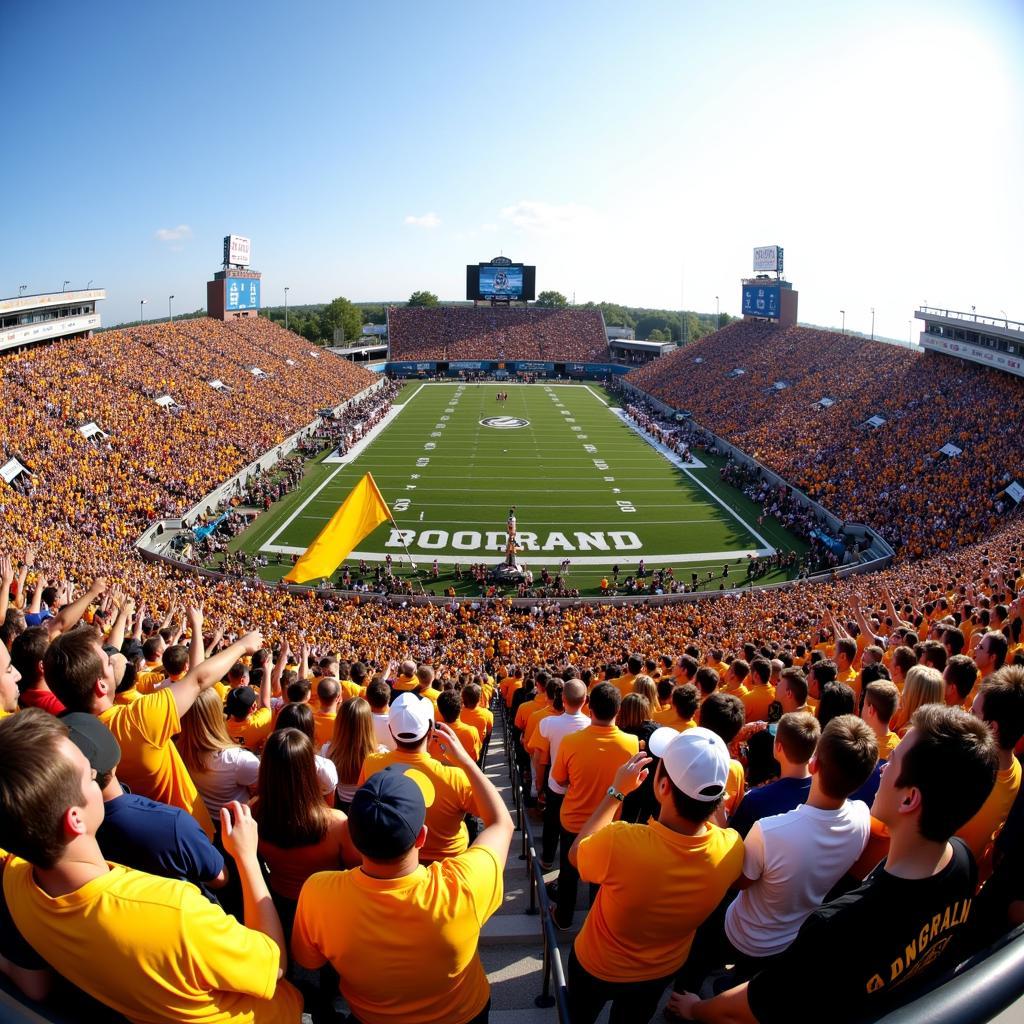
498	658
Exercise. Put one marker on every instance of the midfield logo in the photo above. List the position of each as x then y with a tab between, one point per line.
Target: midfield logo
504	422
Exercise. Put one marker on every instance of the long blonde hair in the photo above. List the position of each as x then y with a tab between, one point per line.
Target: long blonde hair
353	741
645	686
203	731
923	685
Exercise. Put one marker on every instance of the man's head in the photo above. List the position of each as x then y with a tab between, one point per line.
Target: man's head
846	651
960	676
175	659
79	672
424	678
98	744
791	691
693	772
846	754
796	737
378	693
328	690
471	696
240	702
238	675
723	714
991	652
634	664
27	652
388	814
760	671
410	720
48	792
449	704
686	700
407	669
9	679
1000	704
574	695
939	775
819	675
880	701
707	680
604	703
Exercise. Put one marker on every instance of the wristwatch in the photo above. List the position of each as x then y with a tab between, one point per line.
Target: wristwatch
615	794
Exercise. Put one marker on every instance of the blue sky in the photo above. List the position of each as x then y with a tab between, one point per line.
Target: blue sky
633	152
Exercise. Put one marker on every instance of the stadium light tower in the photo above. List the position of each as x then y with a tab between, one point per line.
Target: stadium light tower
286	308
22	288
718	313
842	313
64	285
910	332
142	318
1006	319
170	315
872	323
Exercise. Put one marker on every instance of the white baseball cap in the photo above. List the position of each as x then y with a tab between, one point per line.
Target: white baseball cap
410	717
697	760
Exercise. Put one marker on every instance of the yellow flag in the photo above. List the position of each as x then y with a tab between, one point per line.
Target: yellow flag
360	514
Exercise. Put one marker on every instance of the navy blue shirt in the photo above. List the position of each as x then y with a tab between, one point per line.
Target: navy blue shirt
155	837
777	797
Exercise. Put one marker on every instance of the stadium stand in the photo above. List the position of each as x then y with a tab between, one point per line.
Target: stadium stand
173	641
893	478
496	332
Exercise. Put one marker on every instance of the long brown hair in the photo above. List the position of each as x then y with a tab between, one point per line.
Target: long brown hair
289	806
353	740
203	732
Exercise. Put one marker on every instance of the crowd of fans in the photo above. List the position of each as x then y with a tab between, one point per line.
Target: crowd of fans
215	737
860	473
496	332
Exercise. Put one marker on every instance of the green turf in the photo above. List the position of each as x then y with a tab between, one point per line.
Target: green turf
575	469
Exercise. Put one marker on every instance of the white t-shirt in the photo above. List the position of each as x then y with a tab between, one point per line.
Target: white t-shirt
796	858
229	775
382	732
326	774
554	729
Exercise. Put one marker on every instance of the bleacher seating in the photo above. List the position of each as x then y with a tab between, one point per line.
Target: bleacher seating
496	332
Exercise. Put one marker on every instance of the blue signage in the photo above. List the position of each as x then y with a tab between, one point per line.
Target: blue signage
760	301
241	293
528	366
468	364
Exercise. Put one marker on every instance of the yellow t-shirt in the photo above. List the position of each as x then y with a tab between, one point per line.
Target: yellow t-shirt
323	728
253	731
146	682
480	718
670	717
981	829
757	701
588	760
624	684
467	736
531	735
735	787
887	746
453	800
628	936
527	708
405	949
508	687
168	953
150	763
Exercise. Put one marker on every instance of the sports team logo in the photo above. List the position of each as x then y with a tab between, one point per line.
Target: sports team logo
504	422
500	281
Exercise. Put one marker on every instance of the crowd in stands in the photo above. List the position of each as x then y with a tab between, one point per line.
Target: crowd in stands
496	332
765	752
860	473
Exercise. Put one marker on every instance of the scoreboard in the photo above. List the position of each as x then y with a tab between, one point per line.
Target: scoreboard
761	301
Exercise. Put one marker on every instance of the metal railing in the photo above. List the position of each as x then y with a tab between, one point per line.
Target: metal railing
554	991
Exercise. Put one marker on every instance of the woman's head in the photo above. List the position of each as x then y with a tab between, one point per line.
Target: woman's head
297	716
290	810
353	739
635	710
203	731
646	687
923	685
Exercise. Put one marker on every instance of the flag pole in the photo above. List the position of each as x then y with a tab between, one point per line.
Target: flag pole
401	533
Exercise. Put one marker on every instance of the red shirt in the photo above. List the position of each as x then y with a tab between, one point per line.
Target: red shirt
41	699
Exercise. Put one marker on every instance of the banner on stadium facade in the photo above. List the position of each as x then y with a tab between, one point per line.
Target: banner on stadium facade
530	366
469	364
202	532
834	544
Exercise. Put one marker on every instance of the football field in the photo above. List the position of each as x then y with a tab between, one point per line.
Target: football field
451	460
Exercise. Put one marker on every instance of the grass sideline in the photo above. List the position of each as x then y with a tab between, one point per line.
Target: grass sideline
586	487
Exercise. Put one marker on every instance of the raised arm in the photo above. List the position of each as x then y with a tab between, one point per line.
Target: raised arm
196	647
203	676
117	630
6	579
279	666
70	615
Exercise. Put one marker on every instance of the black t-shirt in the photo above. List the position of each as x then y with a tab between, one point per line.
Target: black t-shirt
856	957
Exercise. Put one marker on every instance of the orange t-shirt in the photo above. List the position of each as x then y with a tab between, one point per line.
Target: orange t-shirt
587	762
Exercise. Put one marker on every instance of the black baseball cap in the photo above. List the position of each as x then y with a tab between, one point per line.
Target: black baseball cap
94	740
239	701
388	811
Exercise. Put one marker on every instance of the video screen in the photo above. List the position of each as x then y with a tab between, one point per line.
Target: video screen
501	282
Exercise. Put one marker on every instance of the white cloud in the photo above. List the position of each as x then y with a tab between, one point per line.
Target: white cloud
538	218
182	233
428	220
488	227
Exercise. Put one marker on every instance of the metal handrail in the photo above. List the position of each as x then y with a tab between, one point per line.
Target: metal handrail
539	902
